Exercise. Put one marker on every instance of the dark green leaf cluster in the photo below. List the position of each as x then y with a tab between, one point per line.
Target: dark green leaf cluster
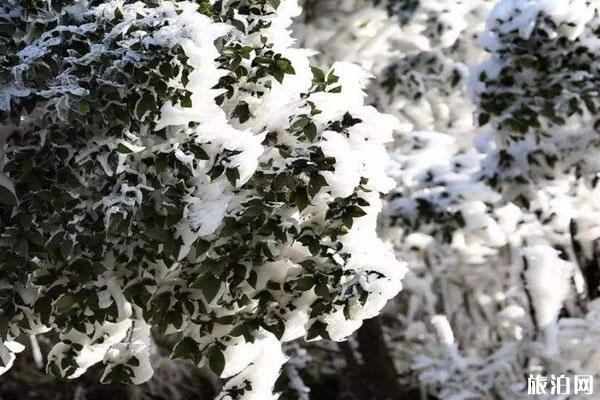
531	88
403	9
424	73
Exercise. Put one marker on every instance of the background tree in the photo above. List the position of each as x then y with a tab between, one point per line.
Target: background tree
489	211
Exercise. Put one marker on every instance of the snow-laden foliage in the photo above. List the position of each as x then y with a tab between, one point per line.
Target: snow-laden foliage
418	52
178	168
539	89
525	303
495	210
537	97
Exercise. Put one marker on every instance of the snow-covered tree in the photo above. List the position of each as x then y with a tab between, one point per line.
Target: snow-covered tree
499	231
528	298
418	52
177	168
538	97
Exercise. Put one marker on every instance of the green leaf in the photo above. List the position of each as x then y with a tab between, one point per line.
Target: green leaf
216	360
253	278
84	107
216	171
185	78
175	318
322	290
188	349
4	356
230	226
202	247
238	24
209	284
97	268
279	75
22	247
356	211
43	308
277	329
300	123
66	248
146	103
310	131
315	184
119	373
54	370
121	148
239	330
484	118
285	65
166	70
7	192
3	326
460	219
118	14
318	75
317	329
186	101
305	283
242	112
347	220
199	152
301	198
232	175
64	303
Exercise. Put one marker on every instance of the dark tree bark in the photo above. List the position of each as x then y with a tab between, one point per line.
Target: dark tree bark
589	268
355	382
378	365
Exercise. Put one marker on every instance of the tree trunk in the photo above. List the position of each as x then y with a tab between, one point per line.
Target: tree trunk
378	365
